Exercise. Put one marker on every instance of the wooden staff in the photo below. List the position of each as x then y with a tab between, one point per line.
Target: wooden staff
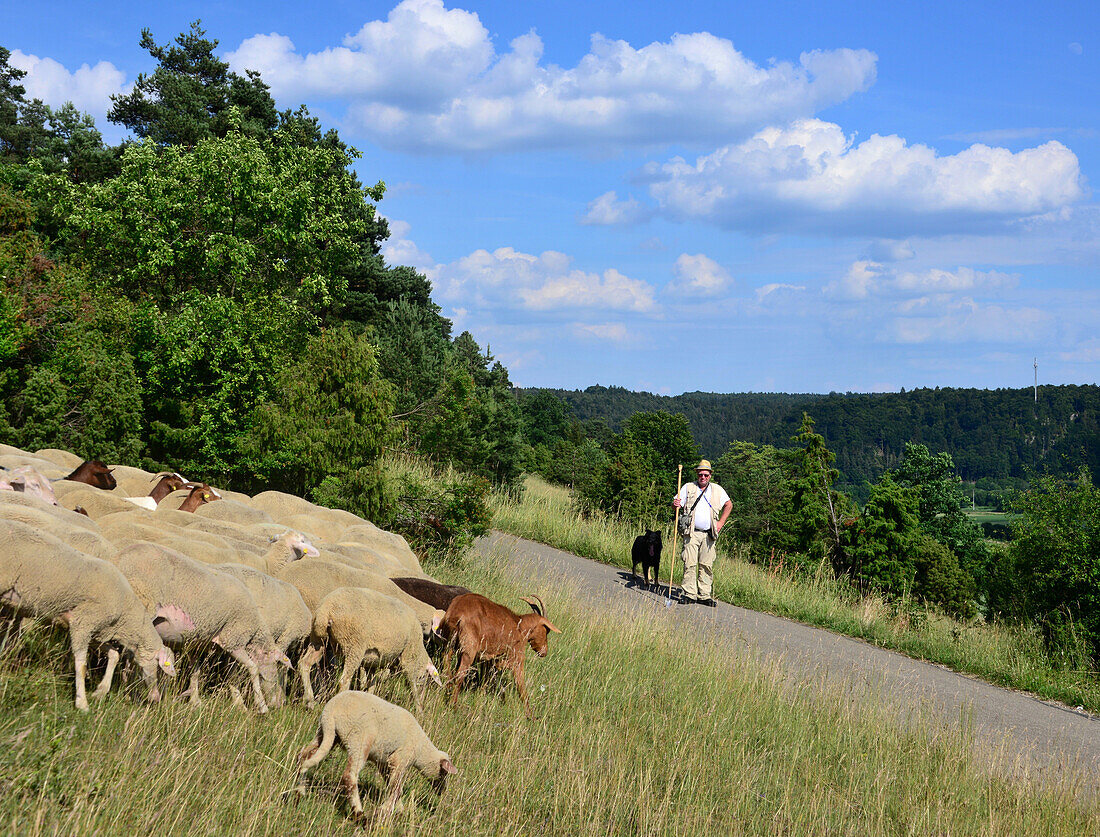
675	530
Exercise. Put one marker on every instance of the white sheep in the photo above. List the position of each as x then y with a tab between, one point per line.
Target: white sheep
241	538
315	579
126	528
97	502
373	630
231	511
392	545
194	601
76	530
43	577
66	460
371	729
32	482
283	610
287	547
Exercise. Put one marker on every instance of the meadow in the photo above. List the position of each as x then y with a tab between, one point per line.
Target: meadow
1007	655
638	729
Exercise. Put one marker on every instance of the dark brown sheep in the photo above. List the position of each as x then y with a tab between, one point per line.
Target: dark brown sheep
430	592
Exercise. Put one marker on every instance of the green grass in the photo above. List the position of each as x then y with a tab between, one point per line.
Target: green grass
1011	656
638	729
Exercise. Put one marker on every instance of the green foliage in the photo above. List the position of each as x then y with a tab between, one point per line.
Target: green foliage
86	399
329	415
440	512
879	544
940	510
1003	434
190	95
1056	556
545	418
637	480
758	481
812	516
206	367
235	216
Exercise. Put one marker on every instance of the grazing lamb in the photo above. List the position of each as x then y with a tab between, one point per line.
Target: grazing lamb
430	591
193	601
283	610
287	547
485	630
371	729
43	577
371	629
316	579
647	552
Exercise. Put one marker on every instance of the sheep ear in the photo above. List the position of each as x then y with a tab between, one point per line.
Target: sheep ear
167	661
433	672
445	766
217	640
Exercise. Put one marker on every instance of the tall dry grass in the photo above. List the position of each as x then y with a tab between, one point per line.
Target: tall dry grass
1008	655
638	729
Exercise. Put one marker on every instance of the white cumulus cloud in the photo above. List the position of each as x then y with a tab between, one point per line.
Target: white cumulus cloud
509	279
698	276
608	210
88	88
809	176
428	78
866	279
967	321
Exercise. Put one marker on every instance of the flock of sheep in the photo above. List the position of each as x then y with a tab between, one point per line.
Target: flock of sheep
143	567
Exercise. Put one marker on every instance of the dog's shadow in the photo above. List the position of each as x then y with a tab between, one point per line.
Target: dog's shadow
635	582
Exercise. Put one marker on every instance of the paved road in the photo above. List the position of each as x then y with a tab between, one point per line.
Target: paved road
1021	732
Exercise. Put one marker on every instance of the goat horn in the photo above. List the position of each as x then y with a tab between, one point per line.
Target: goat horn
536	604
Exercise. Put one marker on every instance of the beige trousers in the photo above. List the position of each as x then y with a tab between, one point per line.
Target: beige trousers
698	557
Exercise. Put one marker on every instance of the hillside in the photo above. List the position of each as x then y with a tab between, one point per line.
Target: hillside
999	434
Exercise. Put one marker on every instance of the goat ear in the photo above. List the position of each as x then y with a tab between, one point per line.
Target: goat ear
550	626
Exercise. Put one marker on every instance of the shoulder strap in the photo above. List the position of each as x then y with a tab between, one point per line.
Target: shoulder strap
698	498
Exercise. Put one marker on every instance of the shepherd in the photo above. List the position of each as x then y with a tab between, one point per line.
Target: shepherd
708	506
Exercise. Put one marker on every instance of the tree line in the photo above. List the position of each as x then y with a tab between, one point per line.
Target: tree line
1001	436
908	538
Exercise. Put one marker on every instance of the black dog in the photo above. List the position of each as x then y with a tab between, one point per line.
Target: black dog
647	552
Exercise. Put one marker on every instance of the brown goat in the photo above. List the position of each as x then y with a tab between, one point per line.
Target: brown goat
485	630
94	473
200	493
169	481
430	592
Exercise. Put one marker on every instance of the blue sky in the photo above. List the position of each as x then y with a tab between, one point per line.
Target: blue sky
669	197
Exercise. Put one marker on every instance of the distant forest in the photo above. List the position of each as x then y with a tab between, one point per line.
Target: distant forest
998	435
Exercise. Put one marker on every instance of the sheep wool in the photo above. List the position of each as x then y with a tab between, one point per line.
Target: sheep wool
195	601
316	579
370	629
45	578
283	610
372	729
